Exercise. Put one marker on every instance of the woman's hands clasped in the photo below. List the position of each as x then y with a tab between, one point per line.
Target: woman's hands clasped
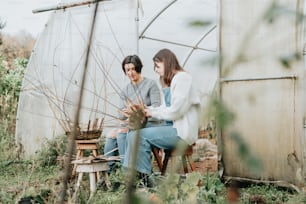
137	116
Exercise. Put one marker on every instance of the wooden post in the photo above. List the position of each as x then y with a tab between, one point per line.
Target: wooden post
65	6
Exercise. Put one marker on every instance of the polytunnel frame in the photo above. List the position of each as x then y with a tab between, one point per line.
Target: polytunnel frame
141	35
193	48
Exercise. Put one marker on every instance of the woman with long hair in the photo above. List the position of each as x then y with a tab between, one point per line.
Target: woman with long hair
182	110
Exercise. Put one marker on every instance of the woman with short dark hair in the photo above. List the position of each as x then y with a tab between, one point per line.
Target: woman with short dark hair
139	87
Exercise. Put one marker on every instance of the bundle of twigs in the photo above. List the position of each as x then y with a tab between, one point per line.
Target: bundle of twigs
136	116
92	132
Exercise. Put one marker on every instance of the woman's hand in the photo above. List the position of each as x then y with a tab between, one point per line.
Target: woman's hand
126	112
137	118
122	130
147	112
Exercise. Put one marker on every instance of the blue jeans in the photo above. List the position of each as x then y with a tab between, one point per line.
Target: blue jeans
112	143
164	137
120	142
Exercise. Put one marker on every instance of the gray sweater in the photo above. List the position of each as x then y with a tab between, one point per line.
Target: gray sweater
147	91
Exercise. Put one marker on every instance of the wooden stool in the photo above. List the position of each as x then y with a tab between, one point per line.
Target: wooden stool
82	145
92	169
163	162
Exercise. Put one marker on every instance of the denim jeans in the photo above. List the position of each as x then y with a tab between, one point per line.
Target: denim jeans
164	137
121	142
112	143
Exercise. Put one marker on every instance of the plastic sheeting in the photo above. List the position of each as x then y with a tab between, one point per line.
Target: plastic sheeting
266	97
52	82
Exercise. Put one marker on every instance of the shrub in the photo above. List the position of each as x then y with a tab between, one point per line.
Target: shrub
10	85
53	151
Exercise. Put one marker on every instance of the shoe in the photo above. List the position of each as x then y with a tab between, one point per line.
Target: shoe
115	186
102	184
145	180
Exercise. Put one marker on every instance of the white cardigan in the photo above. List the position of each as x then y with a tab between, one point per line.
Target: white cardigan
184	109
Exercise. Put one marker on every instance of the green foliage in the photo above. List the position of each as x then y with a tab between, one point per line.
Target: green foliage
276	10
264	194
195	188
23	180
2	24
288	60
189	188
224	118
245	154
220	112
200	23
11	79
7	141
5	197
168	190
117	178
174	188
107	197
212	189
10	85
52	150
103	195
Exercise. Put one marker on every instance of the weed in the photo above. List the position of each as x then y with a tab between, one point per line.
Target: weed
51	152
212	189
264	194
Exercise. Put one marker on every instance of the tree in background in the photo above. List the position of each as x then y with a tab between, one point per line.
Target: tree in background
17	46
2	25
14	54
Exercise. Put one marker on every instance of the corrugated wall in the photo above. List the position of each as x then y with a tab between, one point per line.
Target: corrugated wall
262	83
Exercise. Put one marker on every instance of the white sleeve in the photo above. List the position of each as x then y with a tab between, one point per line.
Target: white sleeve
180	89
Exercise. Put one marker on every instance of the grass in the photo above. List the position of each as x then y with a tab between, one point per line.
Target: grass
40	179
271	194
25	179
